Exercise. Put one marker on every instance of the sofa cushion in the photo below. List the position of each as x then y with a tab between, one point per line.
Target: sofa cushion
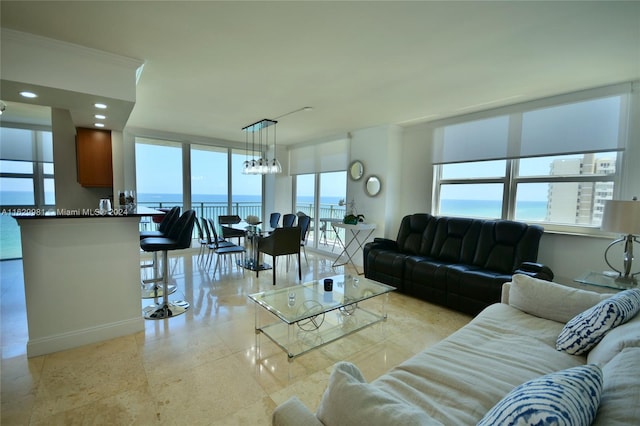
350	400
568	397
620	403
550	300
624	336
586	329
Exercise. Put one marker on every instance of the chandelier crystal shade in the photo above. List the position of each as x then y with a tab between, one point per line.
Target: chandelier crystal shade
263	133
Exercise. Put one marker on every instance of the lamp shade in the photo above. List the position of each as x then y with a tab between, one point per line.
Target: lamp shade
621	216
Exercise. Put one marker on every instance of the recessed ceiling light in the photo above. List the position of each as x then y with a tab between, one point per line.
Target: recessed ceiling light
98	124
100	116
100	106
28	94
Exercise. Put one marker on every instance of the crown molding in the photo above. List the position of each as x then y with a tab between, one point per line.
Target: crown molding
91	54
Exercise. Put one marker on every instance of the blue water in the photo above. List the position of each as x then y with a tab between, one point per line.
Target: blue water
525	210
10	233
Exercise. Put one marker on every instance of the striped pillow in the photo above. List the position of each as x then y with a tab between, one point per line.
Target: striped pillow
568	397
586	329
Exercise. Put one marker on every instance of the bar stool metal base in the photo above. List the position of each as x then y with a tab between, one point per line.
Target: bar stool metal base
153	290
165	310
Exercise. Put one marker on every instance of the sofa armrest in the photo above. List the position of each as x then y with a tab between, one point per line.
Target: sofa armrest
293	412
535	270
384	243
506	287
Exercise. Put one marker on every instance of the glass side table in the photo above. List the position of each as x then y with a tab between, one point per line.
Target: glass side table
609	281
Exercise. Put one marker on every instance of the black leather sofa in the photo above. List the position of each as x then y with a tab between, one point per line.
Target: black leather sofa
460	263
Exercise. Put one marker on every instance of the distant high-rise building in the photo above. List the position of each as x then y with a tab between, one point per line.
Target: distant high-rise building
579	203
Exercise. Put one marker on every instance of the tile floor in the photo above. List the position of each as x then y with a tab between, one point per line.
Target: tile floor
201	367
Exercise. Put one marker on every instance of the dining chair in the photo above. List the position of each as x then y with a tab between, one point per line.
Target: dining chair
304	223
274	218
288	220
201	239
222	247
281	242
227	231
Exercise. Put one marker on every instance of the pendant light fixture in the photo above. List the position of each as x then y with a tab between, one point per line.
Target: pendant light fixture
261	165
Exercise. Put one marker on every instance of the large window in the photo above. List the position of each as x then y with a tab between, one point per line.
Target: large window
246	190
553	161
209	180
321	196
159	173
26	181
213	174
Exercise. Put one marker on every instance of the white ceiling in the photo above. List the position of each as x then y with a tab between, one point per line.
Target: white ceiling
213	67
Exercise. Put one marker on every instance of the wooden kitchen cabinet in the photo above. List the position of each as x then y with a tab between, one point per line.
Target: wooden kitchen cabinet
93	150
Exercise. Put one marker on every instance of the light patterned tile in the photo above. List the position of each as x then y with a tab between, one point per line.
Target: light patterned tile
204	367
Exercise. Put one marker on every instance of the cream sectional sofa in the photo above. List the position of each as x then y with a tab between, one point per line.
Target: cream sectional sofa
459	380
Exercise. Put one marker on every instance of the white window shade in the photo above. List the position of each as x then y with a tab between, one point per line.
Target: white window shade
25	145
589	121
592	126
477	140
319	158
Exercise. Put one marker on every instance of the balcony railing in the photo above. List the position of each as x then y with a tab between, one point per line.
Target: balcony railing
243	209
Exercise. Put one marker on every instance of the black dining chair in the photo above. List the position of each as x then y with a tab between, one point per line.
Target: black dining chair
222	247
288	220
227	231
304	223
274	219
281	242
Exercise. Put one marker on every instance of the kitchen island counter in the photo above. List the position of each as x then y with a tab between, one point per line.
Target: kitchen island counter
81	278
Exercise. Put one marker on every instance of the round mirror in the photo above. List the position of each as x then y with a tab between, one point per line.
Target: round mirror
373	186
356	170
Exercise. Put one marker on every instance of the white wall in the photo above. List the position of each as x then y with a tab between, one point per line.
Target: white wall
569	256
69	193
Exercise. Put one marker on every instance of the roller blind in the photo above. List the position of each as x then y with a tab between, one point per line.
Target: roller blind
25	145
588	121
329	156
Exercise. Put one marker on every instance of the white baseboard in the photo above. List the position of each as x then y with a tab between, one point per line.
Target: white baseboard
77	338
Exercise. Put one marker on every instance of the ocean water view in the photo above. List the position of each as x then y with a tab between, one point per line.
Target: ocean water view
534	211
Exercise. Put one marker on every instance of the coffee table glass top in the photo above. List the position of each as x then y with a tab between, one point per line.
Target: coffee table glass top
299	302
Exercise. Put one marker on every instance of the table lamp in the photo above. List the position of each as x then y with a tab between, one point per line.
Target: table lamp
622	217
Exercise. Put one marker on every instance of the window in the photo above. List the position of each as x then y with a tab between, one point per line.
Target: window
213	174
26	180
246	190
209	180
553	161
321	196
159	173
320	186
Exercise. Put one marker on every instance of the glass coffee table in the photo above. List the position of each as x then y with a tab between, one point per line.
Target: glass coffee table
309	317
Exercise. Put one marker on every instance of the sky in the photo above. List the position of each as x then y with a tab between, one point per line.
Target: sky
159	170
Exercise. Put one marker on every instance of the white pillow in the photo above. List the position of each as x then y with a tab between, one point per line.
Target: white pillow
620	403
585	330
623	336
350	400
550	300
563	398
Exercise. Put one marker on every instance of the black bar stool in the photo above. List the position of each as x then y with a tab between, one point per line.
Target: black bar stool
178	238
150	287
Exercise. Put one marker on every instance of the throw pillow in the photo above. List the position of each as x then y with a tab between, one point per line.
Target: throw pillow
350	400
624	336
585	330
546	299
568	397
